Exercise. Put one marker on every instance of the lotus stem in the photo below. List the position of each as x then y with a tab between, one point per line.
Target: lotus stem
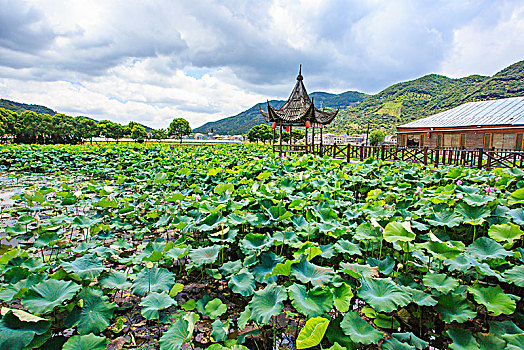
380	255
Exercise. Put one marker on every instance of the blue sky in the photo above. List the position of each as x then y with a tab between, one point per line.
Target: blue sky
151	61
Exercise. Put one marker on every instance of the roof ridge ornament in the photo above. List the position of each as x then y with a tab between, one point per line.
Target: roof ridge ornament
300	77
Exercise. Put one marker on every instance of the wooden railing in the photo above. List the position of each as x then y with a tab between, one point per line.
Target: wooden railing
477	158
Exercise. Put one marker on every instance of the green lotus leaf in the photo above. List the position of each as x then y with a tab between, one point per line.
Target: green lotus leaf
494	299
516	215
445	218
359	330
230	267
45	296
473	215
305	272
440	282
505	232
114	280
366	232
86	267
395	344
419	297
215	308
94	314
346	247
153	280
178	333
398	232
312	333
383	294
204	255
267	302
256	241
387	264
18	328
243	282
268	261
83	342
515	275
211	222
455	307
154	302
490	341
477	200
462	339
342	297
501	328
314	302
358	270
18	289
386	321
336	346
219	330
335	334
485	248
443	250
514	341
412	339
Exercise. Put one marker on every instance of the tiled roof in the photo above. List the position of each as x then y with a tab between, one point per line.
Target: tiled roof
298	108
506	111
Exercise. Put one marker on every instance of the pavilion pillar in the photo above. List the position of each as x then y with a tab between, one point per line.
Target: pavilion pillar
280	151
291	137
313	140
273	141
306	141
321	142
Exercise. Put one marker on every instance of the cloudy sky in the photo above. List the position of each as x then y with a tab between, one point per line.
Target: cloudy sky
151	61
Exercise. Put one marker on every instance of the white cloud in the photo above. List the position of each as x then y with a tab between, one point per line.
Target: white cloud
133	60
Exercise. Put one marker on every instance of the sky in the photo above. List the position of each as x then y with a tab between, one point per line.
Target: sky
152	61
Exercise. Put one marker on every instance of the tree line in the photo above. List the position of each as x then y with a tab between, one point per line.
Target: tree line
263	133
30	127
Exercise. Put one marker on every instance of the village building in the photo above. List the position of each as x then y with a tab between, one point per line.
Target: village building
494	124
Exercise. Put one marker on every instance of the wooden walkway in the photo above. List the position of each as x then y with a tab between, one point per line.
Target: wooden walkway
475	158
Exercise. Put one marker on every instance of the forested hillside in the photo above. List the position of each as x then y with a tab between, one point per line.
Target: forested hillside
242	122
397	104
430	94
22	107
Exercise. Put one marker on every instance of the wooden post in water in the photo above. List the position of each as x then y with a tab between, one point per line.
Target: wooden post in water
480	158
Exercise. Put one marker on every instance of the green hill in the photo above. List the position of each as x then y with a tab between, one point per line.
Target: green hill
22	107
242	122
430	94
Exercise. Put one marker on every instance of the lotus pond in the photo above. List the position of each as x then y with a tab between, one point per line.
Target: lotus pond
228	247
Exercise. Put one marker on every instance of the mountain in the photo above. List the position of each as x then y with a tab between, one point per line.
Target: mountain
22	107
395	105
430	94
242	122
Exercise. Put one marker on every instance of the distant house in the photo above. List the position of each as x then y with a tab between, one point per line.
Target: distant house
390	140
199	136
497	124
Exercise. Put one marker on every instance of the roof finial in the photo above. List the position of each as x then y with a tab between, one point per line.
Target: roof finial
300	73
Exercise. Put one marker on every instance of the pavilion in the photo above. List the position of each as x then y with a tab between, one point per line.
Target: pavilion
298	111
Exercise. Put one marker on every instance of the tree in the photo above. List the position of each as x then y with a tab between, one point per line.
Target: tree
260	132
297	134
87	128
138	132
158	134
376	137
111	130
179	127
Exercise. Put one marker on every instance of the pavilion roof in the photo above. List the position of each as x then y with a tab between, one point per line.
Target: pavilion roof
298	108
